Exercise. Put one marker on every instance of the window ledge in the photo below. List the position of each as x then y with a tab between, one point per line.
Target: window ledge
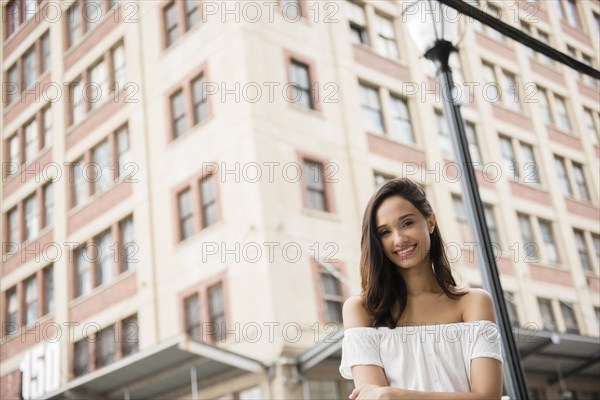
190	130
191	239
320	214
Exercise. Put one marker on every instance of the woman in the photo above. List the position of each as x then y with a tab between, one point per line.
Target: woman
412	334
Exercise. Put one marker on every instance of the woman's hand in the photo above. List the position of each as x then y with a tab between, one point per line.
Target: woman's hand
369	392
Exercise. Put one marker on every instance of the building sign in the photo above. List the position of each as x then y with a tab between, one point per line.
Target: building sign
40	368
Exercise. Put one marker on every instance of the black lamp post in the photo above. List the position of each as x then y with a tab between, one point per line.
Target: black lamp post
434	27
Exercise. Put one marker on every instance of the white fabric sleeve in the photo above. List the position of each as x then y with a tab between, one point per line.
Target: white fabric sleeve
360	346
487	341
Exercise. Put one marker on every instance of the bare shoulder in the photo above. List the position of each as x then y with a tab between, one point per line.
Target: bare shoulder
477	305
354	313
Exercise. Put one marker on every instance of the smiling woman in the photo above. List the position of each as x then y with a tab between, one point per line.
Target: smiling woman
412	333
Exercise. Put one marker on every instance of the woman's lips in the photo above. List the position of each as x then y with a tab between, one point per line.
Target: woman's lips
406	252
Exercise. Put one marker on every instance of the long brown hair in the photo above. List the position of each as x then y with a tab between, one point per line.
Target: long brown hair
382	285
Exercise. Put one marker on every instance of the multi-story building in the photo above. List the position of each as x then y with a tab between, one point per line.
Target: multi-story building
184	182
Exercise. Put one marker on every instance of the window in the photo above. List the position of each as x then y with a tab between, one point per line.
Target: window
129	245
92	12
461	219
14	155
47	121
530	167
75	30
562	117
208	198
179	125
371	109
491	86
508	157
13	16
563	178
300	81
171	28
545	105
45	60
547	314
81	357
530	246
549	243
192	15
590	126
106	344
572	13
29	67
31	300
186	216
80	183
580	183
216	309
12	218
118	61
105	267
332	295
32	223
103	174
315	186
48	276
380	178
582	249
98	85
490	219
358	23
199	99
106	341
401	125
12	78
445	141
31	140
568	313
525	169
94	262
77	102
192	317
130	341
386	38
596	242
511	99
124	152
48	194
12	310
505	90
473	143
83	276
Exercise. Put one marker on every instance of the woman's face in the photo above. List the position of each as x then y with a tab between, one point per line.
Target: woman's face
404	232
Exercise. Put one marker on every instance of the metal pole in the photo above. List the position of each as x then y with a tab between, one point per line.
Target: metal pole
513	372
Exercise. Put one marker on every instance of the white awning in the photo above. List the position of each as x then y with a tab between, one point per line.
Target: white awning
160	370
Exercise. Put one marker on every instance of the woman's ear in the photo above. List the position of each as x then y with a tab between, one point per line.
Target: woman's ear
431	223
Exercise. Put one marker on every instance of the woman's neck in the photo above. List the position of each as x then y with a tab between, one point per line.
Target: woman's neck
420	281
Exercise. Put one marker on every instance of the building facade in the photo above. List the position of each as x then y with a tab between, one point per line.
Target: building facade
184	182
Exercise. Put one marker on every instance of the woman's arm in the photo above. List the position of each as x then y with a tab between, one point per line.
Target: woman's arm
354	315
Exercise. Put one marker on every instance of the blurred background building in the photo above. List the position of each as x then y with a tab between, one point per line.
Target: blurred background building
184	182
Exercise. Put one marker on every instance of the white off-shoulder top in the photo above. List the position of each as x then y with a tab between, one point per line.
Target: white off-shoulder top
432	358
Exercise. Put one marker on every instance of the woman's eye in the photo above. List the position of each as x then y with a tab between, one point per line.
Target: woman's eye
382	233
408	223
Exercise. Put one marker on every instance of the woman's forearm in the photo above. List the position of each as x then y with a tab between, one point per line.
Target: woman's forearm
395	393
